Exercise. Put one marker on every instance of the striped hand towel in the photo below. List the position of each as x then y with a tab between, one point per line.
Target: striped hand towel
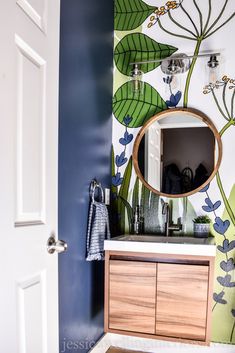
97	231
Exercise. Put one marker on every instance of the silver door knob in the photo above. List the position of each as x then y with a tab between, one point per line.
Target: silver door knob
56	245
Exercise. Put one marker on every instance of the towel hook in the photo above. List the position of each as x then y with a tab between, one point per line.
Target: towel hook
93	186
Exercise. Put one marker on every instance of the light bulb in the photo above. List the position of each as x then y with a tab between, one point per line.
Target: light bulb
213	69
213	75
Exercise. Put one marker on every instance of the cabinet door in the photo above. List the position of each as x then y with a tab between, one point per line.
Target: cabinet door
182	301
132	296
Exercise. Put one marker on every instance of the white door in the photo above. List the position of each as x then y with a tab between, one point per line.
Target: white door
29	61
153	155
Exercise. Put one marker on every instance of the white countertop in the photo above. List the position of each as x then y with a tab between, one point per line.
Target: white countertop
162	245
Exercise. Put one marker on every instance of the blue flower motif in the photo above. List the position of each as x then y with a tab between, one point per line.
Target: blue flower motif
233	312
127	139
227	266
127	120
221	226
211	206
120	160
227	246
226	281
117	180
174	99
218	298
205	188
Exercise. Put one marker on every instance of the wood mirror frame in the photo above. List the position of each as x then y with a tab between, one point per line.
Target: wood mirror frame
173	111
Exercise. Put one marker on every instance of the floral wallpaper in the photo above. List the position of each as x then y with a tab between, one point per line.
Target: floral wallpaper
155	29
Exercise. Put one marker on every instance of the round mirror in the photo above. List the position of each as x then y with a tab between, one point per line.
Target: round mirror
177	152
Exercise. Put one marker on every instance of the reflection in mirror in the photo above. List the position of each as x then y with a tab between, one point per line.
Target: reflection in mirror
177	152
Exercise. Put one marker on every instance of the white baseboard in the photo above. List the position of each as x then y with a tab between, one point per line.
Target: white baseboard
156	346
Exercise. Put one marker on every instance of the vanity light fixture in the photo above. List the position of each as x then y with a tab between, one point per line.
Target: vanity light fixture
176	64
172	65
213	64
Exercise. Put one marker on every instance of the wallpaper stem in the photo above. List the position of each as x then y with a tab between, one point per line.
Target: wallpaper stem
226	126
231	338
220	185
226	203
224	101
196	52
219	108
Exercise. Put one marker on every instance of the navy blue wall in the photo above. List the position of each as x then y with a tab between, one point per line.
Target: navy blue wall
86	55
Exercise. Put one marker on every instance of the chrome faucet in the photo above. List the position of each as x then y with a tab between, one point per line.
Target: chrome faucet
169	226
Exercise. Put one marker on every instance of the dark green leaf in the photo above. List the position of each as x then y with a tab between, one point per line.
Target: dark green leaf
124	189
188	215
113	187
123	194
130	14
139	47
140	107
145	206
114	220
135	196
129	211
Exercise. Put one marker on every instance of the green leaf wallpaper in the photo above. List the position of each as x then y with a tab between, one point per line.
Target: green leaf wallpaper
167	27
139	47
139	107
129	14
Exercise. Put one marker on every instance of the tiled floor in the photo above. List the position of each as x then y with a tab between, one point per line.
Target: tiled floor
156	346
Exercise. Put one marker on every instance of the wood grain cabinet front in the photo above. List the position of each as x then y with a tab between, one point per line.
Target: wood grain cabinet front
182	300
132	296
162	296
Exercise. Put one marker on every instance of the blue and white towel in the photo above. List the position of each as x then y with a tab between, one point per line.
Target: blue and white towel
97	231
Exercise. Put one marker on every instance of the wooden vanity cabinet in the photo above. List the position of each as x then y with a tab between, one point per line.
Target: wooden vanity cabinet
182	300
132	296
161	296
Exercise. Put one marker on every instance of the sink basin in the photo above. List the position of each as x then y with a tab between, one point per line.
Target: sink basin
160	244
164	239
